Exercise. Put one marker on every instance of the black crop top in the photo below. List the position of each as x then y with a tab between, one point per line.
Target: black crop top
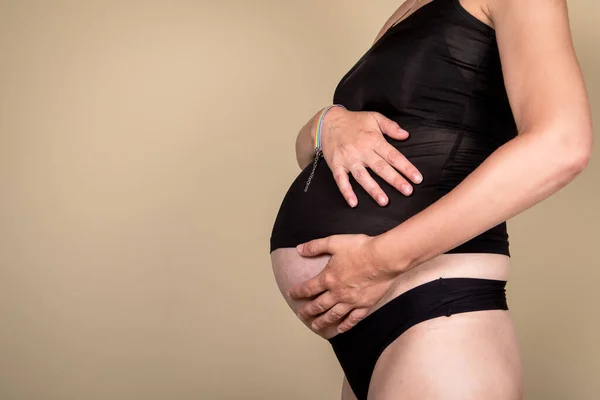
437	73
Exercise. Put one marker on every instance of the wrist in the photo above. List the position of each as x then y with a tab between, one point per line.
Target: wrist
329	123
387	255
314	126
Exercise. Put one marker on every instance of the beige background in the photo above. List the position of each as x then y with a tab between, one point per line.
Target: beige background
144	150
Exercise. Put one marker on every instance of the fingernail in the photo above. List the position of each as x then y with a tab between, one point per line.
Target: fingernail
300	247
353	202
417	178
406	189
382	200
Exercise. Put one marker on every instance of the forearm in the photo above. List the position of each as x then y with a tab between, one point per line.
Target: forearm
305	141
519	174
305	152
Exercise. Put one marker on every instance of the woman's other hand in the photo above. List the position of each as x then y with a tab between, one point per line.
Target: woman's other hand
354	280
353	140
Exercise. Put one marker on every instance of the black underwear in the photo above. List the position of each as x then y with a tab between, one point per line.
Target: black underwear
358	349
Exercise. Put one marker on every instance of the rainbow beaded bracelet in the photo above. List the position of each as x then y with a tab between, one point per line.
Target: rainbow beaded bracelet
317	145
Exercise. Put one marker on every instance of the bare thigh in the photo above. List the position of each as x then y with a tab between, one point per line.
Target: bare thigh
467	356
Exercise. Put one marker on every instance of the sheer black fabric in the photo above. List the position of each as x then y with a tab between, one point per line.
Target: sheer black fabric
438	74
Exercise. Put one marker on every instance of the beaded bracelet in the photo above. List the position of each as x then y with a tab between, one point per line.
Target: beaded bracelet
317	144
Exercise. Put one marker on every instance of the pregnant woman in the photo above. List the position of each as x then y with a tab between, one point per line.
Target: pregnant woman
479	109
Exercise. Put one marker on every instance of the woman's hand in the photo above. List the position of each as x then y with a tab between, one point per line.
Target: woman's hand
351	283
353	140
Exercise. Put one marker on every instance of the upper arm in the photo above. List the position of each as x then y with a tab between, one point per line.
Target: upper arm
542	75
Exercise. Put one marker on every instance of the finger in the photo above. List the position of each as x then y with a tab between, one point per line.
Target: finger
315	247
389	127
397	160
388	173
333	315
340	174
318	306
311	287
352	319
362	176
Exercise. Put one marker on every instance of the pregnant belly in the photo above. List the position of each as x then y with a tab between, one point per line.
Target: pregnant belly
290	269
443	156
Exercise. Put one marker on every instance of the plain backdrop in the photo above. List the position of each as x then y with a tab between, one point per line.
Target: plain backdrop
145	148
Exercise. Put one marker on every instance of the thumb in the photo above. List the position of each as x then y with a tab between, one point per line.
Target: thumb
389	127
314	247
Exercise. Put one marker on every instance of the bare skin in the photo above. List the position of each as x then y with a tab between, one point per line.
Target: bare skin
479	350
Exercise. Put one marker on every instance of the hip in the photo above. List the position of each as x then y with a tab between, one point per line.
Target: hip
454	265
290	269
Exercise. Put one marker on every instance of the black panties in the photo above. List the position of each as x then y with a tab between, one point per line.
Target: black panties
358	349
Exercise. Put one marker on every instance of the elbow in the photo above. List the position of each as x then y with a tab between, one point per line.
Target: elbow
579	151
567	151
302	163
298	161
584	146
580	161
572	166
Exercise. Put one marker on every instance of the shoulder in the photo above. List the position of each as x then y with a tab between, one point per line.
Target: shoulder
497	8
394	17
492	12
540	13
480	9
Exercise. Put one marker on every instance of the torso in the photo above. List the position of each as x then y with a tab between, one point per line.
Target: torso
406	76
